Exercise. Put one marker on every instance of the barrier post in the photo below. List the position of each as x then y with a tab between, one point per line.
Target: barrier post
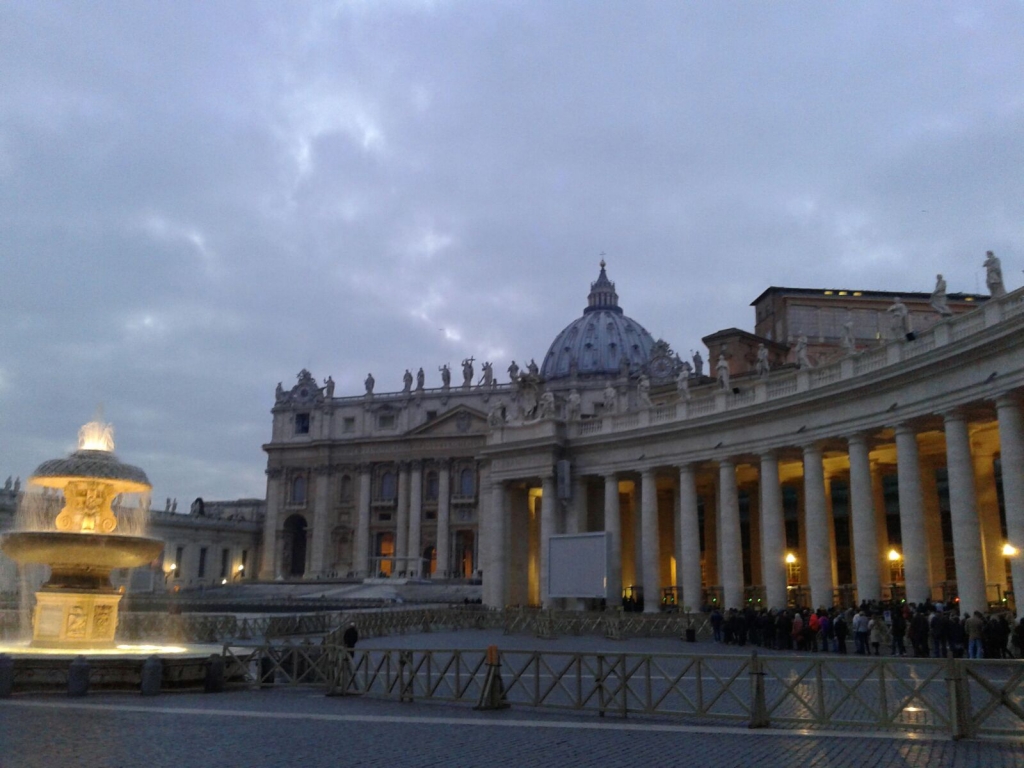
492	695
758	706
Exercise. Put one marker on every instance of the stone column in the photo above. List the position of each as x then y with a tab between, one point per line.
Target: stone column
1011	447
917	573
773	532
576	518
649	541
321	516
731	566
268	564
443	518
862	512
361	555
495	569
970	567
402	518
688	546
613	525
819	551
416	519
548	522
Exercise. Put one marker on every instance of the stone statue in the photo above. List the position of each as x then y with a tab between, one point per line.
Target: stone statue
938	301
513	372
722	371
547	406
174	504
407	381
420	379
167	504
847	339
370	381
574	406
7	483
683	380
532	368
487	379
329	385
763	366
802	360
446	377
611	399
467	372
994	275
899	318
643	392
496	417
17	483
279	393
698	364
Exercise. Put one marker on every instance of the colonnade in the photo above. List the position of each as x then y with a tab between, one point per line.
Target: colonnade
857	453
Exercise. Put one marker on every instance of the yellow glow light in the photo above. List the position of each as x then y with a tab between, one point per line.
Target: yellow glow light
858	293
241	568
1009	550
894	555
842	293
790	558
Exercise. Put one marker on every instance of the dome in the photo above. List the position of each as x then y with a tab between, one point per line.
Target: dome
595	344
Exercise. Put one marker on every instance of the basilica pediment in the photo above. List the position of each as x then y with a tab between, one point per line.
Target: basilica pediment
461	420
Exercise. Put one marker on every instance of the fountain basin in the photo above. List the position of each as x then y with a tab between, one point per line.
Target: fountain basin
89	553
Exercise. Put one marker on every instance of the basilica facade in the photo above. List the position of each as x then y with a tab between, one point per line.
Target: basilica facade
856	445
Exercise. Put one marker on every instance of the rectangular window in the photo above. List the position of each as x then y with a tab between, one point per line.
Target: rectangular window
201	572
225	563
301	423
348	424
386	421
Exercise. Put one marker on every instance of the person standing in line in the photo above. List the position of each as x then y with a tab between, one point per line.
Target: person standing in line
975	627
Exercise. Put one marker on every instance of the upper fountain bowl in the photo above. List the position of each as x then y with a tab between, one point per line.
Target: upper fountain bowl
90	464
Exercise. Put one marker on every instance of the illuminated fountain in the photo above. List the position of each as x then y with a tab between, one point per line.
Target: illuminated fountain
98	529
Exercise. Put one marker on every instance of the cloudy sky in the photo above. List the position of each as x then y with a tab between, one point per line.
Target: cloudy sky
197	200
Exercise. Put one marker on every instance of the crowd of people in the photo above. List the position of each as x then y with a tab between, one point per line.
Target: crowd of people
924	630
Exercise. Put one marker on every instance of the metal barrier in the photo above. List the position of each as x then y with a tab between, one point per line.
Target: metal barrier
963	698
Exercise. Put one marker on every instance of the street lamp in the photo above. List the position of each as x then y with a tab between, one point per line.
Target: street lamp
894	556
790	558
1009	550
171	572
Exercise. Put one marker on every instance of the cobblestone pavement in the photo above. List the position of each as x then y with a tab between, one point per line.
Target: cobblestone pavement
300	727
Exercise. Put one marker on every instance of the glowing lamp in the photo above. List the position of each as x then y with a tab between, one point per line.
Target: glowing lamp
1009	550
894	555
790	558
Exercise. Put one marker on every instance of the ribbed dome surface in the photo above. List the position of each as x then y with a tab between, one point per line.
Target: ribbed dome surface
595	344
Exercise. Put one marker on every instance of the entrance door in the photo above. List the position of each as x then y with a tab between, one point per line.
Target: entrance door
465	560
384	551
295	546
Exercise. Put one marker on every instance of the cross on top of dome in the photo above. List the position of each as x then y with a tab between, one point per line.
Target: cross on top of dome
602	294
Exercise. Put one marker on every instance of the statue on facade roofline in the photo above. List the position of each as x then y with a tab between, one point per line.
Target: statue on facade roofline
420	379
487	379
513	372
532	368
611	399
329	386
698	364
899	318
643	392
7	483
467	372
407	381
370	381
847	339
279	393
763	366
574	406
802	360
546	406
446	377
994	275
722	371
938	300
683	380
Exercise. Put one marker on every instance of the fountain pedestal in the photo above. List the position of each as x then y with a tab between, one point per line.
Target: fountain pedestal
75	619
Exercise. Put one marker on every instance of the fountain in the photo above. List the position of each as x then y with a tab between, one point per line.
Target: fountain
93	534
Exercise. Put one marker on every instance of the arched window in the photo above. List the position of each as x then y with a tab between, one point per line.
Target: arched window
432	486
346	487
466	482
388	489
298	494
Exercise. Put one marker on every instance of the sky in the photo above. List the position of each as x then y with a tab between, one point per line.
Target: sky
199	199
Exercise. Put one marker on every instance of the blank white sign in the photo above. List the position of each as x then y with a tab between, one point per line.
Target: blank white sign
578	565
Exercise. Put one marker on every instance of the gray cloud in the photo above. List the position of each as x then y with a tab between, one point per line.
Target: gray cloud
198	200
